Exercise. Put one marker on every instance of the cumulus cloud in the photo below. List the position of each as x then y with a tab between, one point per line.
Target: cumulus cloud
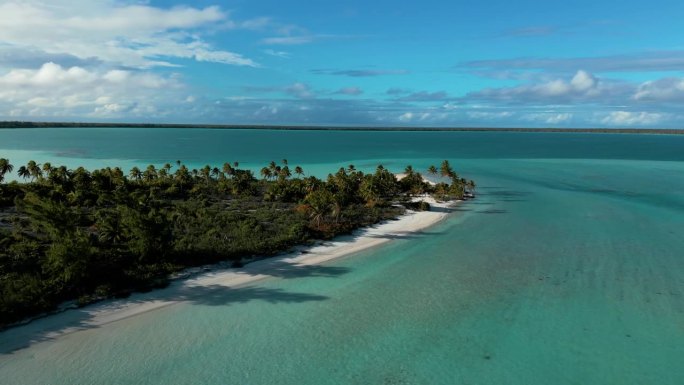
115	31
583	81
583	86
665	90
53	90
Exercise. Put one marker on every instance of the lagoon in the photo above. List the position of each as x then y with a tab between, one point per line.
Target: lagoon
567	269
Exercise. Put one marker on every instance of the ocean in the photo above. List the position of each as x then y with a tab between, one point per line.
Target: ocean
567	269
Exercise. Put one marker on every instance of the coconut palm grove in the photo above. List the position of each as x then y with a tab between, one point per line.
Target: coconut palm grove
80	235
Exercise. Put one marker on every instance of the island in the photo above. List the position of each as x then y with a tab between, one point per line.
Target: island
76	236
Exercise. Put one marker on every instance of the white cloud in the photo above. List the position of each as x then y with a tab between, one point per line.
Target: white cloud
253	24
549	117
115	31
406	117
287	40
294	35
583	81
53	91
626	118
280	54
552	88
489	115
299	90
418	117
668	89
559	118
582	86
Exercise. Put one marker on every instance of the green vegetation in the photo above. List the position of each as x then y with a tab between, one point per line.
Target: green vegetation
79	235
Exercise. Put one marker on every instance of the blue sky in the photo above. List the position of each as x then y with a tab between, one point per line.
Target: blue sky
382	63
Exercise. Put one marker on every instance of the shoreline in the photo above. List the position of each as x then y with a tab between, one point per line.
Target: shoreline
180	289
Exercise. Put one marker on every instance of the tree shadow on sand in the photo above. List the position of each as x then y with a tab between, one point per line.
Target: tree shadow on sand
403	235
74	320
284	269
217	295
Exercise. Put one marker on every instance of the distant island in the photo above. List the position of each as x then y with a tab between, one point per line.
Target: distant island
661	131
80	235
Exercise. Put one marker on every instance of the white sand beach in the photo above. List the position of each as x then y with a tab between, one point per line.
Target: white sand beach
114	310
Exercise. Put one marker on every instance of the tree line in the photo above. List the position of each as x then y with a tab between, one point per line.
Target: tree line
80	235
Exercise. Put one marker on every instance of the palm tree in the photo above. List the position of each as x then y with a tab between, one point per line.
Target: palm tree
228	169
299	171
336	211
432	170
320	203
118	177
206	173
285	162
23	172
445	170
34	169
266	173
284	173
182	176
136	174
81	178
215	172
351	168
150	173
47	169
311	184
59	175
5	168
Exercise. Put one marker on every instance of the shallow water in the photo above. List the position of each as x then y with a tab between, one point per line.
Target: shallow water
567	269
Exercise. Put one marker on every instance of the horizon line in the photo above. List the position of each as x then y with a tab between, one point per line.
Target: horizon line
626	130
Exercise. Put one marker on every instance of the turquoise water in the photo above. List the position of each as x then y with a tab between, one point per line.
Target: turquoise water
568	269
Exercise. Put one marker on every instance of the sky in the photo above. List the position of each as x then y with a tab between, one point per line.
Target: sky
490	63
